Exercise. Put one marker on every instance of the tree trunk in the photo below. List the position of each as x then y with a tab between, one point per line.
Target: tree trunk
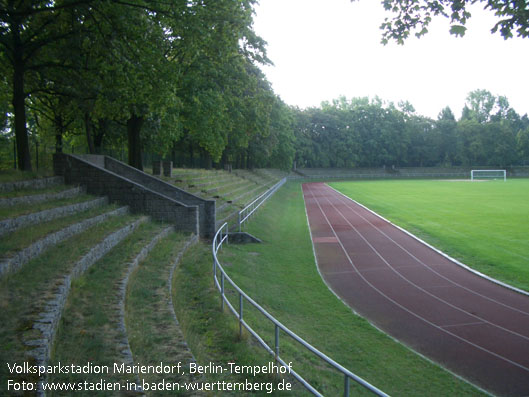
100	132
88	129
59	129
19	105
134	125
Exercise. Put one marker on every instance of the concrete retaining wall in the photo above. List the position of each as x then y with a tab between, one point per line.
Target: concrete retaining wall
206	207
118	188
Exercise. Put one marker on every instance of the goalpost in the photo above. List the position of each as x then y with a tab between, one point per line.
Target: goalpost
488	174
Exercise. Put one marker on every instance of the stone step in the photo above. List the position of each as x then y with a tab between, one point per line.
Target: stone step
37	198
15	262
47	320
99	293
27	294
40	183
12	224
153	329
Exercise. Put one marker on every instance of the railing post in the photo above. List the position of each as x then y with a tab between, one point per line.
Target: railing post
346	386
214	269
277	341
240	226
221	291
240	314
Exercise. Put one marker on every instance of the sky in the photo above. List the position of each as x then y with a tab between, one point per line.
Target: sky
322	49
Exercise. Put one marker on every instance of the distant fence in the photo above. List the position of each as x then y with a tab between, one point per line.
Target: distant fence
221	237
402	173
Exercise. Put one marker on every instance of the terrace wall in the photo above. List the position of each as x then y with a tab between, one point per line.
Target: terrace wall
206	208
118	188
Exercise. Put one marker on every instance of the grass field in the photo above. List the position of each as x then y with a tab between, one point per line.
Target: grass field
281	275
483	224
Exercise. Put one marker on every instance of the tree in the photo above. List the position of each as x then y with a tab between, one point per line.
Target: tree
522	143
416	15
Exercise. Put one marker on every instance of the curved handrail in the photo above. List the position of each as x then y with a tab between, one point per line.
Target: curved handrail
247	211
220	238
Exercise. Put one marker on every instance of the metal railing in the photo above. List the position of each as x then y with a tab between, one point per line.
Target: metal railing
218	271
247	211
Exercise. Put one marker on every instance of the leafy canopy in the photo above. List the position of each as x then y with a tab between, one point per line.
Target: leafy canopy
416	15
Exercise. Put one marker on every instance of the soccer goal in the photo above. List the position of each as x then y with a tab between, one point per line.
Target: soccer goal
488	174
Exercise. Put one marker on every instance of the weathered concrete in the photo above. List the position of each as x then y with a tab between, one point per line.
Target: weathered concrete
115	182
14	263
12	224
242	238
38	198
122	288
206	207
48	320
40	183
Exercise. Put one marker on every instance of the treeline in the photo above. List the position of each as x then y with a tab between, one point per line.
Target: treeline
371	133
178	79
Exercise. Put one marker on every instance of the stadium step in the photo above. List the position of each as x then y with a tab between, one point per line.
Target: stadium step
19	252
31	298
41	183
95	306
152	327
124	308
24	215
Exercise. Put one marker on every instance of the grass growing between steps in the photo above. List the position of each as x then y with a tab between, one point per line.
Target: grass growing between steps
23	237
212	335
89	330
33	192
281	275
23	294
24	209
153	332
16	175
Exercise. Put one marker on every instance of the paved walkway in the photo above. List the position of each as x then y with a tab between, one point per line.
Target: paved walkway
469	325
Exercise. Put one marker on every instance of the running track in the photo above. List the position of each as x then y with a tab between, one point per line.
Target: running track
471	326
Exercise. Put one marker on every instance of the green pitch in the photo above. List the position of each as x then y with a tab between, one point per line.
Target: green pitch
483	224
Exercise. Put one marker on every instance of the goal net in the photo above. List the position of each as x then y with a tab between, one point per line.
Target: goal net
488	174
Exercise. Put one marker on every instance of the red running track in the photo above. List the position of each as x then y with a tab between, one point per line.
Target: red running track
466	323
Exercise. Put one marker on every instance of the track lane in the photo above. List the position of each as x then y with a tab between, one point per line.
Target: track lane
468	324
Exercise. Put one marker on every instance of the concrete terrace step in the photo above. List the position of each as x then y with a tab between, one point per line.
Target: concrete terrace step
153	329
227	187
100	294
37	198
26	296
40	183
48	319
16	261
12	224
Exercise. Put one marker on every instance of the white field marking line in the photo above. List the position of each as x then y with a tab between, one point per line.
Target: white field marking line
348	200
415	314
491	279
411	282
462	324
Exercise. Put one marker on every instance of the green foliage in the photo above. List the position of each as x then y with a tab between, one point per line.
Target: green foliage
415	16
364	133
158	75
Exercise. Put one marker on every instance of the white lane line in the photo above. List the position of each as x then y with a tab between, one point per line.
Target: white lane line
349	200
411	312
462	324
388	264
